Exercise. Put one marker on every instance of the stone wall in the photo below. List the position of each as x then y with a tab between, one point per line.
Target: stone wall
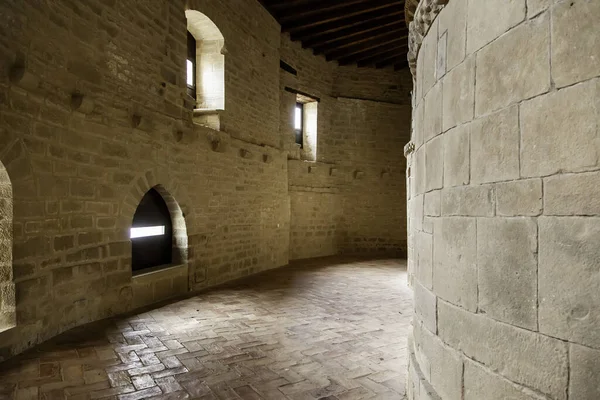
93	114
504	227
363	125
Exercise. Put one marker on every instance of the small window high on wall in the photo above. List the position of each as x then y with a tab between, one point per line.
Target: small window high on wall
305	125
205	62
151	233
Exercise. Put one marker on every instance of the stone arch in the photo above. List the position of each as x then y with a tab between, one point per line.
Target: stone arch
162	183
209	60
7	286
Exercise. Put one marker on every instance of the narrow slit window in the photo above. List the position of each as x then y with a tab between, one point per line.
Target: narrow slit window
298	123
147	231
191	66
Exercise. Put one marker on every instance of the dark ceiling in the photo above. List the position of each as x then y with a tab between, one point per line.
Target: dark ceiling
369	33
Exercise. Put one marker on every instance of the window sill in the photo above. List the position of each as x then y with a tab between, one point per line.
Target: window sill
206	111
159	272
208	117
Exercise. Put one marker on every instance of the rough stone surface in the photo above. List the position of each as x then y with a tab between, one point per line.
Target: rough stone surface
459	94
521	197
585	373
519	56
507	270
434	164
482	384
521	159
575	47
522	356
432	123
545	148
572	194
568	301
425	307
455	261
495	147
505	14
457	156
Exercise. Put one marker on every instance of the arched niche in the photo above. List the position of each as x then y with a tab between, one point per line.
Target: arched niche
7	287
205	61
158	232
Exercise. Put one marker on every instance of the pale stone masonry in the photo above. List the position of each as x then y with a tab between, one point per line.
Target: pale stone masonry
504	216
94	113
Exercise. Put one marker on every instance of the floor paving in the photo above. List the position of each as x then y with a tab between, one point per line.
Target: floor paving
332	329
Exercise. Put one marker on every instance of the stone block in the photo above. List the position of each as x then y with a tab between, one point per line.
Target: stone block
456	156
522	197
575	41
535	7
424	258
545	147
459	94
434	164
572	194
418	125
525	357
432	117
433	205
495	147
425	307
419	171
428	55
453	20
507	270
481	383
584	373
514	67
488	19
569	279
446	368
475	201
440	68
455	261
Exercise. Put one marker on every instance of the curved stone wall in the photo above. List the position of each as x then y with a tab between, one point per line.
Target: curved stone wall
504	202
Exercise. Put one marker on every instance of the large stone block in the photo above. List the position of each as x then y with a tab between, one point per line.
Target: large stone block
418	125
428	52
476	201
459	94
523	197
488	19
522	356
445	367
572	194
434	165
424	257
481	384
425	307
455	261
575	41
456	156
514	67
585	373
453	20
507	270
432	123
419	171
569	278
433	206
495	147
559	131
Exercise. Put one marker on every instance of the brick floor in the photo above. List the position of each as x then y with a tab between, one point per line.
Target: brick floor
331	328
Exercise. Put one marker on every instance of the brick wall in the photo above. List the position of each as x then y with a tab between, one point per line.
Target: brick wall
79	169
504	226
363	125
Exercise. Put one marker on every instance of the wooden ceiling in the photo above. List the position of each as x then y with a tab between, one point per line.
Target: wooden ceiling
368	33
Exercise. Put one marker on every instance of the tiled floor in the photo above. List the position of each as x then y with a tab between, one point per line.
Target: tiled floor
332	329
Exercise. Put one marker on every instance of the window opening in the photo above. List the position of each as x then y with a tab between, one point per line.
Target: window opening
151	233
191	66
298	124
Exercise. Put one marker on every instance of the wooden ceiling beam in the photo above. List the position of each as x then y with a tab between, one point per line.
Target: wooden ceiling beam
330	31
381	43
401	65
314	11
342	17
400	46
359	29
390	61
381	56
397	28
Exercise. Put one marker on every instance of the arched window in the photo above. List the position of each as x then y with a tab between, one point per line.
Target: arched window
7	286
151	233
205	62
